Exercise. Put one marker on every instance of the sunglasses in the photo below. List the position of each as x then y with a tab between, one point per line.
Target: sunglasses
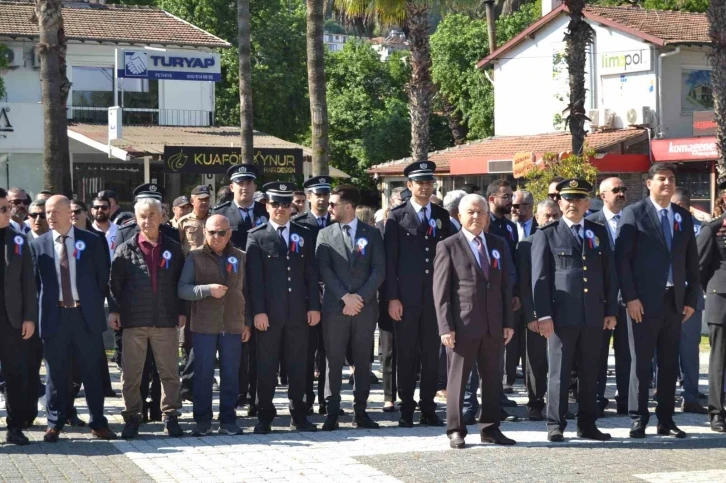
19	202
77	211
517	205
101	207
572	198
333	205
36	215
553	196
277	204
619	189
219	233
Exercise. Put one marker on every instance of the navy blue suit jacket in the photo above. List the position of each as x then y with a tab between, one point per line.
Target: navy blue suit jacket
92	274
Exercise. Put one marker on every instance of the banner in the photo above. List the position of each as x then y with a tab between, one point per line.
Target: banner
522	163
685	149
168	65
206	159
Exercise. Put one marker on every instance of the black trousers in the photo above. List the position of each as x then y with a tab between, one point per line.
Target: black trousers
292	339
417	333
536	369
516	350
32	382
486	351
387	346
621	346
716	366
570	344
248	370
14	357
316	357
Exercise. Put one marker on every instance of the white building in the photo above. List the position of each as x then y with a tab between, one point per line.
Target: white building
395	41
336	42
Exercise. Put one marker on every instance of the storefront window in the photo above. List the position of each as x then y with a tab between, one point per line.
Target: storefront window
140	93
92	87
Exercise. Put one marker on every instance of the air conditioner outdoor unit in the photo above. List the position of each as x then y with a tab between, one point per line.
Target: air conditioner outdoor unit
14	58
639	116
594	116
608	118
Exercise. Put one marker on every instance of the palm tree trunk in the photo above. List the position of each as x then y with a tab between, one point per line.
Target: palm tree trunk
245	80
420	88
578	38
54	90
717	32
456	124
316	86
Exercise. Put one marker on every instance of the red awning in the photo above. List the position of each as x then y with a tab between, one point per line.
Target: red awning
684	149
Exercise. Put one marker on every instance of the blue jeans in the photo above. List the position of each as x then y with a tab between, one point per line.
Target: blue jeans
205	349
690	367
471	401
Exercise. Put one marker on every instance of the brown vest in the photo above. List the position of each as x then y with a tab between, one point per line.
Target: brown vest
211	315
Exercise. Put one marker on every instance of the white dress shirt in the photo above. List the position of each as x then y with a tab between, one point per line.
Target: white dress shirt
524	229
418	208
658	210
244	213
455	223
474	246
110	236
612	223
70	247
322	221
570	224
285	233
21	227
353	228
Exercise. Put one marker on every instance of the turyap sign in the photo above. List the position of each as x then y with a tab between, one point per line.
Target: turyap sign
205	159
624	62
168	65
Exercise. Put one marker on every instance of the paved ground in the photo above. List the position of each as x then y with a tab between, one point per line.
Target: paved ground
388	454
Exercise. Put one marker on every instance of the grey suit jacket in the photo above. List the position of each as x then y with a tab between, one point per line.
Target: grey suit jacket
361	272
21	296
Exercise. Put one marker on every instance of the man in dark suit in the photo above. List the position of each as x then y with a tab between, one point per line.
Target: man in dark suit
612	192
352	266
285	298
472	295
244	213
575	294
412	232
535	377
18	317
72	273
316	219
657	262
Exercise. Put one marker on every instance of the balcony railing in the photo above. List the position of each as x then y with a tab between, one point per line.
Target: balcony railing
153	117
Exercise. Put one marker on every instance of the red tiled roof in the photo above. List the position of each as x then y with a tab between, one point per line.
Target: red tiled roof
504	147
659	27
110	23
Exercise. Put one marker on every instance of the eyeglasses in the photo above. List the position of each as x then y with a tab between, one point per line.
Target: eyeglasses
277	204
219	233
36	215
517	205
19	202
333	205
619	189
101	207
553	196
77	211
505	196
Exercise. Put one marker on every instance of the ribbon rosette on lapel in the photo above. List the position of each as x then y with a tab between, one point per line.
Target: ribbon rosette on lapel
677	220
296	243
496	256
592	240
165	259
113	242
80	246
432	228
361	245
19	242
232	264
511	233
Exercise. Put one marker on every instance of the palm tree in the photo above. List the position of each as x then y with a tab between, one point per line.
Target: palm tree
717	32
316	86
578	37
54	90
245	80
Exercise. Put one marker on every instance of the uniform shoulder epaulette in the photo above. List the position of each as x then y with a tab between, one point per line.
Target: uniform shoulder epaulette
188	215
301	227
548	225
257	228
222	205
299	216
399	207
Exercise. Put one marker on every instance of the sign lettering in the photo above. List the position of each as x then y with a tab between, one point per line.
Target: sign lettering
204	160
622	63
688	149
187	65
704	123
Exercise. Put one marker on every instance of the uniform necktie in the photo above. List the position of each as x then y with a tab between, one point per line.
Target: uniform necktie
280	231
348	238
483	256
576	231
615	219
321	222
424	218
665	225
246	211
65	273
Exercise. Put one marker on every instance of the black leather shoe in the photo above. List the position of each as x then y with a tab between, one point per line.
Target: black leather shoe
555	436
16	436
131	428
505	416
693	407
363	421
109	393
389	409
241	402
51	435
430	419
493	435
406	421
469	419
508	403
456	440
331	423
718	424
671	430
600	412
252	411
75	421
262	427
637	430
322	409
569	414
302	424
591	432
535	414
622	409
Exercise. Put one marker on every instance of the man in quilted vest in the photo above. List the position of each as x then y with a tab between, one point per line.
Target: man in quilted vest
213	279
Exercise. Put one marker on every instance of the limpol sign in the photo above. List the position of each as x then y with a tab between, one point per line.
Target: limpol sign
169	65
625	62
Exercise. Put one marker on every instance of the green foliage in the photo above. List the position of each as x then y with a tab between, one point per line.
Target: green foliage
333	27
537	180
696	6
3	67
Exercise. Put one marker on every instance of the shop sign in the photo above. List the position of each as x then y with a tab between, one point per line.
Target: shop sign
169	65
686	149
626	62
704	123
522	163
205	159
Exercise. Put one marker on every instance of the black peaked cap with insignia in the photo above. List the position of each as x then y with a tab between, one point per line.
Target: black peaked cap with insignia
420	171
319	184
241	172
280	191
149	190
574	186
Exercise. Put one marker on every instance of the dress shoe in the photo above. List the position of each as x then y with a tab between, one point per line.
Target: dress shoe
252	411
469	419
505	416
131	428
718	424
622	409
171	426
600	412
230	429
241	402
331	423
363	421
701	395
262	427
456	440
493	435
16	436
374	379
671	430
508	403
51	435
104	433
555	435
430	419
693	407
406	421
75	421
637	430
302	424
322	409
535	414
390	409
591	432
109	393
569	414
202	429
508	390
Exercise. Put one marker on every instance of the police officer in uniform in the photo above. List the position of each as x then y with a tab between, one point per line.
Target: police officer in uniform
191	226
316	219
575	292
412	232
283	282
244	213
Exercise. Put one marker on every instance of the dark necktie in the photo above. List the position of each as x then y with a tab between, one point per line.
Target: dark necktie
280	231
576	232
665	225
348	238
483	256
424	218
65	273
321	222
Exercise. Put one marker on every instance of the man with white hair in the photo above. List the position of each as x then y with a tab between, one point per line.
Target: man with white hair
451	204
144	275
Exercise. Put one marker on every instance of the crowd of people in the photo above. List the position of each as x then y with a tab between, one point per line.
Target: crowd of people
463	290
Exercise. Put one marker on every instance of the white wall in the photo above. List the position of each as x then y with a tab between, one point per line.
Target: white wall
677	123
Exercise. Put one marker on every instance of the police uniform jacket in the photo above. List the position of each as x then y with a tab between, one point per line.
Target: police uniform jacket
573	283
712	265
309	221
410	251
239	226
283	281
